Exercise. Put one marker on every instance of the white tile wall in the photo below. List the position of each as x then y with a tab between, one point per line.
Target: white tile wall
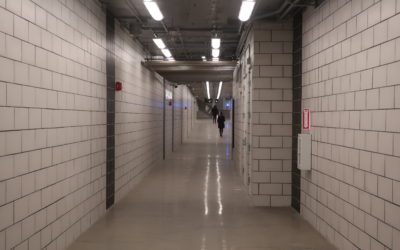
351	195
48	150
189	108
139	116
270	101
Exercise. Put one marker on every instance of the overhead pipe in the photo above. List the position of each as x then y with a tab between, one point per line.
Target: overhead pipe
203	29
273	13
137	16
165	27
182	42
132	6
293	4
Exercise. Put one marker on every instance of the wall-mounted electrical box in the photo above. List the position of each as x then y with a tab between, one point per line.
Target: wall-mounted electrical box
304	152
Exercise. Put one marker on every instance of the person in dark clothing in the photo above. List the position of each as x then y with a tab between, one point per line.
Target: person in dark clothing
221	123
214	112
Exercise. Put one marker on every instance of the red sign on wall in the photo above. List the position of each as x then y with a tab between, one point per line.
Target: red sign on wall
306	119
118	86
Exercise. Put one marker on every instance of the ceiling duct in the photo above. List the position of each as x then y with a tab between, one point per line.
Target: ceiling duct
135	29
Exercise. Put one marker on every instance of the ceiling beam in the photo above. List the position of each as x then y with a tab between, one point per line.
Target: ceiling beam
193	71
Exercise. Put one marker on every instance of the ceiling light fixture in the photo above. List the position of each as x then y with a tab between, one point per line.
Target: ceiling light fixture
215	52
246	10
208	89
215	43
166	53
159	42
219	89
153	9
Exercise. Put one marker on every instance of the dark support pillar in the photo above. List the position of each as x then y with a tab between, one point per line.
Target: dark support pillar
173	118
182	117
233	122
110	155
164	107
297	93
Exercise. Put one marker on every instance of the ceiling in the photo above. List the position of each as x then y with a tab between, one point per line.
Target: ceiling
187	29
188	25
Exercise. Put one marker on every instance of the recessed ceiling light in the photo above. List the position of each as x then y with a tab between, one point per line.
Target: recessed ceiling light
208	89
246	9
215	43
219	89
159	42
215	52
166	53
153	9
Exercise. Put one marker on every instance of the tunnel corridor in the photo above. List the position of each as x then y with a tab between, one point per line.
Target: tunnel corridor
107	140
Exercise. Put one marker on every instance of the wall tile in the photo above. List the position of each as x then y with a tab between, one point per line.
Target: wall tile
271	189
271	47
6	22
13	189
21	118
7	121
391	167
386	98
6	70
393	121
381	33
20	28
393	22
374	15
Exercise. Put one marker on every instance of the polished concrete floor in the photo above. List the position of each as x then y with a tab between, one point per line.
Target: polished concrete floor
195	201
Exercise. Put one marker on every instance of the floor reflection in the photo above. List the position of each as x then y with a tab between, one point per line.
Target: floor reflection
195	200
206	188
219	188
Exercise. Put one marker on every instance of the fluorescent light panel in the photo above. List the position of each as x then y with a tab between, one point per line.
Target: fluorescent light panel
215	43
159	42
219	89
153	9
246	10
166	53
215	52
208	89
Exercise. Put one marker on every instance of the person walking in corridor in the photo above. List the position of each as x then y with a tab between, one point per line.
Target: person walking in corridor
221	123
214	112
